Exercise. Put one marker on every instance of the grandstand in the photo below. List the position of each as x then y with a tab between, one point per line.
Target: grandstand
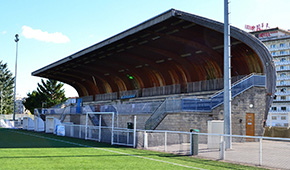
168	71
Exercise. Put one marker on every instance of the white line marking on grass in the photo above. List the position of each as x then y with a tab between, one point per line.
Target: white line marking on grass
122	153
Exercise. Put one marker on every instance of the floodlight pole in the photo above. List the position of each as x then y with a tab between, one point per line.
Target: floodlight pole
227	78
14	96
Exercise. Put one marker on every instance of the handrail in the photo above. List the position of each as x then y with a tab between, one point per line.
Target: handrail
194	104
237	82
155	118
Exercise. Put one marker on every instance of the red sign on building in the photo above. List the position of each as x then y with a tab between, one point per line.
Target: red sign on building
258	27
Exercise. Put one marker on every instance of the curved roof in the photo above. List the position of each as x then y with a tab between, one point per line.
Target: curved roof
172	48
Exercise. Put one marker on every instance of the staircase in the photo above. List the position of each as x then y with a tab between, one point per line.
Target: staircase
94	119
156	118
202	105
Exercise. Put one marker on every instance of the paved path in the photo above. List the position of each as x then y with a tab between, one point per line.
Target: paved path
275	154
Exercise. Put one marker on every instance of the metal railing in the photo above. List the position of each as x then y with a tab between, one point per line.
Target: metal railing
106	96
196	104
162	90
207	85
254	150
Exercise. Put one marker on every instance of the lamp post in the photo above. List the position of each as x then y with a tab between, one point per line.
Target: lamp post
14	96
1	102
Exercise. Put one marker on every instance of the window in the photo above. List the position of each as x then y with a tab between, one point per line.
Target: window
273	46
283	90
282	82
282	67
282	52
273	53
282	74
283	98
283	108
283	60
283	117
282	45
274	108
285	124
274	117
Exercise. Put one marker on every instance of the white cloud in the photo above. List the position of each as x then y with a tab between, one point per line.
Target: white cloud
40	35
3	32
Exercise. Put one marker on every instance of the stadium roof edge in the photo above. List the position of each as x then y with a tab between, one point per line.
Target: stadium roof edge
150	22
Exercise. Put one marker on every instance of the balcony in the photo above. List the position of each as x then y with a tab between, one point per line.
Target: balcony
284	84
281	100
279	112
283	78
279	48
278	63
279	54
283	68
282	93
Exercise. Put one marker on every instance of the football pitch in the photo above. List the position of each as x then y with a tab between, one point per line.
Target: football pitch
31	150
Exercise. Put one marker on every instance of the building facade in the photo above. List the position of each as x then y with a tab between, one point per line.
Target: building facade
19	107
278	43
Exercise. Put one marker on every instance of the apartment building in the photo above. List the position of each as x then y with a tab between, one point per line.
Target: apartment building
278	42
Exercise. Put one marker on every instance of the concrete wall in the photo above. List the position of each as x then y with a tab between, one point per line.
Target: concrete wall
240	106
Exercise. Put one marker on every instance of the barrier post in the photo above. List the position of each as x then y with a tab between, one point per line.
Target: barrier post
165	142
145	140
86	130
134	134
222	148
260	151
100	127
112	138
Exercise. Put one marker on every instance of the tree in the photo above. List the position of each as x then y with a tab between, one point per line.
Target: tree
49	93
6	89
33	101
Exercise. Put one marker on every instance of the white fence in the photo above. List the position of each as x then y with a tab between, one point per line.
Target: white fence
100	133
253	150
121	136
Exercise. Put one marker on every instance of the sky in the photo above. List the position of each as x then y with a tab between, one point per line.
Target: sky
50	30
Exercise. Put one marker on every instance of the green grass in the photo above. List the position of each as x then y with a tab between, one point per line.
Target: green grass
30	150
